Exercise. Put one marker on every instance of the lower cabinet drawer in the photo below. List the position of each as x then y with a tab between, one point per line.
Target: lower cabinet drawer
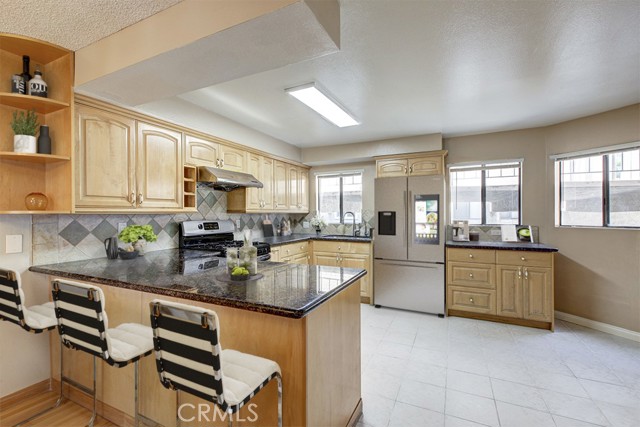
473	275
470	299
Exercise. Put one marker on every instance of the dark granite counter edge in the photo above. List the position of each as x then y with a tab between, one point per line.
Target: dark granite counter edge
284	240
506	246
296	314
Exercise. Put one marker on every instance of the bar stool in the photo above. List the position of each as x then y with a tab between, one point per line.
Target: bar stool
83	325
189	358
35	319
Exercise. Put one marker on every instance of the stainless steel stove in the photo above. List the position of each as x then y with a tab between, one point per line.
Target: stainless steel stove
215	236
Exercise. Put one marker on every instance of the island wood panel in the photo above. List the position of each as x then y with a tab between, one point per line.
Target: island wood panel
318	390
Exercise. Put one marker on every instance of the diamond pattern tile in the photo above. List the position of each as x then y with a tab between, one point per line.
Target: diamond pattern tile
156	227
74	233
210	199
104	230
171	228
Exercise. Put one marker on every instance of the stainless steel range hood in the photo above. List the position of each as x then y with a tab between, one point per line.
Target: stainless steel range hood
225	180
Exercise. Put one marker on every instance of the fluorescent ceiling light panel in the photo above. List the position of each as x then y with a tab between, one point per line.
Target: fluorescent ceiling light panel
313	98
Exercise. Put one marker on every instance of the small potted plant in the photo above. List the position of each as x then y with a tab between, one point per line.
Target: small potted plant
24	127
134	235
318	223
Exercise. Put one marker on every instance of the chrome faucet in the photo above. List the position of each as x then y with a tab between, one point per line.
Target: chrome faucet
354	221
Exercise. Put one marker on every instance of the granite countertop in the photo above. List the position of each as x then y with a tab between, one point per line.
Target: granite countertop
293	238
508	246
288	290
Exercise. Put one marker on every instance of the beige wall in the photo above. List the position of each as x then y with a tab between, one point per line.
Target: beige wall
24	357
597	270
365	151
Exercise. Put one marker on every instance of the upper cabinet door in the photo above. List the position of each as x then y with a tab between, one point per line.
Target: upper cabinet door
293	188
266	177
232	159
200	152
105	159
280	185
159	167
391	168
426	166
254	195
303	190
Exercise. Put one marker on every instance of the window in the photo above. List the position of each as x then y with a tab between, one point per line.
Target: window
486	193
339	193
599	189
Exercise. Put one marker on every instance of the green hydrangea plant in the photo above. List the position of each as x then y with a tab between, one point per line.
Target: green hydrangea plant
133	233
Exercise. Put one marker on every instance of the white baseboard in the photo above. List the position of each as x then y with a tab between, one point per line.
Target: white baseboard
599	326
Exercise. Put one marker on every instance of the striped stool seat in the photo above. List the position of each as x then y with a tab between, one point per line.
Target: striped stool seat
189	358
83	325
36	319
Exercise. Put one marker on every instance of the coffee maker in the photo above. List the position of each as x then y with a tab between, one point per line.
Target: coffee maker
460	231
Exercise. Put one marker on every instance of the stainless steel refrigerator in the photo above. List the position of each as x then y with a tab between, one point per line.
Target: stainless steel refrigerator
409	243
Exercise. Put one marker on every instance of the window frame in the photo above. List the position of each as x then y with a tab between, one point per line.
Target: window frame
483	167
605	152
339	174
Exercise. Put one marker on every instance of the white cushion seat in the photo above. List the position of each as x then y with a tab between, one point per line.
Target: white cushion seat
243	374
129	340
40	316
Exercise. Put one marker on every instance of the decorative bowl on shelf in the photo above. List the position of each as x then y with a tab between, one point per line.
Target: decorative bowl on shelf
36	202
127	254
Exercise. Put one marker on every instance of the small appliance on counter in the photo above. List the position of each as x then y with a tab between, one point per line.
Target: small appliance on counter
460	231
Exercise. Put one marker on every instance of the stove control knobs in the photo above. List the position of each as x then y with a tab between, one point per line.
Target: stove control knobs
200	226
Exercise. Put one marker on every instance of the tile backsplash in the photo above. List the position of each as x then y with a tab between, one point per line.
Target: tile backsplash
491	233
61	238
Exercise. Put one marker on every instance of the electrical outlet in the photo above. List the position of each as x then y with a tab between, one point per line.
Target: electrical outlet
13	243
496	232
121	226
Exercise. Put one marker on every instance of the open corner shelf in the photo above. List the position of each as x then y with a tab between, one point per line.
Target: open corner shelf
33	158
28	102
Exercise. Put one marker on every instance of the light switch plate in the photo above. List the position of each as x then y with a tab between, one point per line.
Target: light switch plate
13	243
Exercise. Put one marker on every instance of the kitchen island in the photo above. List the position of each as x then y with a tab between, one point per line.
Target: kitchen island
305	317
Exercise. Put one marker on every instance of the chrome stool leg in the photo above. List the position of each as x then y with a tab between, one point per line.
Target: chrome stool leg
279	379
55	405
93	415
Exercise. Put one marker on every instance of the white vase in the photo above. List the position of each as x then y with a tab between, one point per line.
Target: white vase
24	144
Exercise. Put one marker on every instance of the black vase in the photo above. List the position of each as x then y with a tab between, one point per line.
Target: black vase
44	140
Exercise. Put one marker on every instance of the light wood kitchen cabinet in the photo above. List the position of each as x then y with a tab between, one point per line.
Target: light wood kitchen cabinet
294	253
428	163
159	167
294	186
280	186
209	152
303	190
105	159
123	164
24	173
512	286
254	200
347	255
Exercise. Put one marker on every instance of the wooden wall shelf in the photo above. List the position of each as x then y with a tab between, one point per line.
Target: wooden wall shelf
28	102
33	158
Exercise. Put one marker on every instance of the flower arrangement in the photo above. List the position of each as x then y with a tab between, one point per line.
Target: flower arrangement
317	222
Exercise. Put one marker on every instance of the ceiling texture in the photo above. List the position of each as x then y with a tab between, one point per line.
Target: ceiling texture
403	67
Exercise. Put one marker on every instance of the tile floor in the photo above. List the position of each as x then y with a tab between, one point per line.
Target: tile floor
420	370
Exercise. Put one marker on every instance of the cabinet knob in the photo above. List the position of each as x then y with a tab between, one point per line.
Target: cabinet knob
519	273
411	169
471	300
526	273
339	247
140	198
470	274
470	255
132	199
522	258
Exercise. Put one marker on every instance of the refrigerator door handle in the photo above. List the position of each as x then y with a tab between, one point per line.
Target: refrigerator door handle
410	224
404	234
411	263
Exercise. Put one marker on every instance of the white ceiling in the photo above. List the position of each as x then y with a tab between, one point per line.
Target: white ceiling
74	24
419	67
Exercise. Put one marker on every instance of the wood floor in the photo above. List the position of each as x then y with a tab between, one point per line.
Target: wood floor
68	414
